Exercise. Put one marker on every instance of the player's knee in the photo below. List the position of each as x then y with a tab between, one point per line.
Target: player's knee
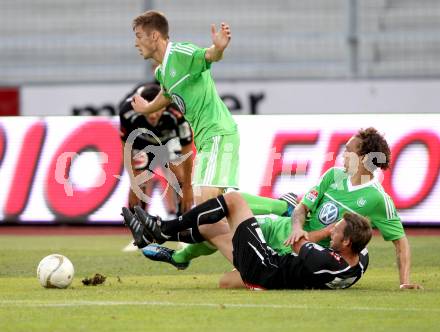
233	200
226	283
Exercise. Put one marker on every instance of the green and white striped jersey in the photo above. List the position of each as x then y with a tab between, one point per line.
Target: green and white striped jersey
335	194
185	77
328	201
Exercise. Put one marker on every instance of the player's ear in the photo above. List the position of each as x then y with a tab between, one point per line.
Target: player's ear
346	242
155	35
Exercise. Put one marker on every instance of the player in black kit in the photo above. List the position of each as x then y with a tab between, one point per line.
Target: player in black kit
259	266
161	139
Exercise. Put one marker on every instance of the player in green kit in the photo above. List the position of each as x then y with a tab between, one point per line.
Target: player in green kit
349	189
185	78
355	189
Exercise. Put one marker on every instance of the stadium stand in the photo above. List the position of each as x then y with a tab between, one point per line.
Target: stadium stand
91	41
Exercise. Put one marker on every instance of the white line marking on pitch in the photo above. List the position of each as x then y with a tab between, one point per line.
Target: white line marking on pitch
21	303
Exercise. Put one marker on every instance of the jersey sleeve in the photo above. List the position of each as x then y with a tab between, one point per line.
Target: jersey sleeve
199	63
313	196
386	219
192	57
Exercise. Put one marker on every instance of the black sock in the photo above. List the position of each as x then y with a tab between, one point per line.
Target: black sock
191	235
209	212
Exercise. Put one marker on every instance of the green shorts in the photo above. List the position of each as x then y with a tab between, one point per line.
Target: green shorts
276	231
217	162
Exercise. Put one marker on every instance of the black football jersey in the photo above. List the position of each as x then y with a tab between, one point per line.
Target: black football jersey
320	268
171	125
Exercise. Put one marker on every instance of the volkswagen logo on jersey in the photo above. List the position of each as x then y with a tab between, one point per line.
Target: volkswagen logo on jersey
329	213
361	202
179	102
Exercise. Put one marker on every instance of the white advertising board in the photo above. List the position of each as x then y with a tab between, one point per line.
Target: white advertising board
253	97
70	169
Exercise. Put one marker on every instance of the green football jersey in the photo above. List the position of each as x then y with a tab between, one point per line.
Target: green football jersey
185	77
327	203
275	232
335	195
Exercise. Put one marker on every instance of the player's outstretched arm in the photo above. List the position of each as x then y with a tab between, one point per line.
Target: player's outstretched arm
403	256
220	40
140	105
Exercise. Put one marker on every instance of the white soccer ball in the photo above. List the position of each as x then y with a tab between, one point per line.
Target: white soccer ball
55	271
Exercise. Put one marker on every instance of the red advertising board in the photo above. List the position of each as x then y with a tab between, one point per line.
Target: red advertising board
9	101
70	169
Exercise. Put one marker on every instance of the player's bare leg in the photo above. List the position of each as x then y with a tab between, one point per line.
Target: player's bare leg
218	234
239	210
208	217
231	279
175	197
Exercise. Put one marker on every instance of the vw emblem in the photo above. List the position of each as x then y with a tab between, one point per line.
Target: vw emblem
329	213
361	202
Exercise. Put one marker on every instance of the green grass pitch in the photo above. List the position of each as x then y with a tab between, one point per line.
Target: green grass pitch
140	295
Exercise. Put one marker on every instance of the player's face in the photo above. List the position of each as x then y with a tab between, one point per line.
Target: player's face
153	118
145	42
337	235
352	160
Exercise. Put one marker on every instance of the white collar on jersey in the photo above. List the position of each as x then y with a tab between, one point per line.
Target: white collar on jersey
351	187
165	59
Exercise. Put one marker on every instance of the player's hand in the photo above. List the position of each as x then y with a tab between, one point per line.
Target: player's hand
187	199
295	236
139	104
411	286
329	228
221	38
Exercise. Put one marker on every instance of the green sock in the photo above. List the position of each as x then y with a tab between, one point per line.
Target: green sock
263	205
192	251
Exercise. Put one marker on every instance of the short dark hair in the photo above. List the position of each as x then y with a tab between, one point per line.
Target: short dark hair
373	142
149	91
152	19
358	230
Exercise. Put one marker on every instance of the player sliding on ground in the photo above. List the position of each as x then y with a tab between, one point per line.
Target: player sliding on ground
258	265
353	188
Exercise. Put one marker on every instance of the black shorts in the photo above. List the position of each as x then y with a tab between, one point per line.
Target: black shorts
256	262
